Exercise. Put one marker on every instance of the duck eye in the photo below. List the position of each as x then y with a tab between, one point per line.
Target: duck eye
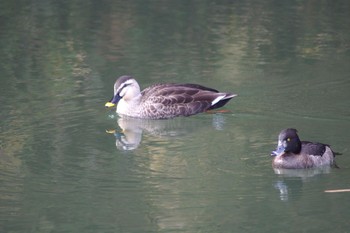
288	139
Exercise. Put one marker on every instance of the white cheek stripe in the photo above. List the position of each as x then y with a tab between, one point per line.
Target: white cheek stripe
122	89
122	92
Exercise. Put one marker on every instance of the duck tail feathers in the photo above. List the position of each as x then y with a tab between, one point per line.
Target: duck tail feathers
222	101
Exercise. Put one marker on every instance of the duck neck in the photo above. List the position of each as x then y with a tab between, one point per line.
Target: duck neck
129	106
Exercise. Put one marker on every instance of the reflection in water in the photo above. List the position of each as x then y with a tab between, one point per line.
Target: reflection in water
130	136
291	181
58	173
174	178
302	173
218	122
283	188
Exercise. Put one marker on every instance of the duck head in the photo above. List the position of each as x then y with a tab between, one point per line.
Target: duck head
288	142
125	88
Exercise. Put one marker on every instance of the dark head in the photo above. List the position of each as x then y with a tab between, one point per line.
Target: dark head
125	87
288	142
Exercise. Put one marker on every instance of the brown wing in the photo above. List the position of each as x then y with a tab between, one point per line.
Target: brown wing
167	88
178	99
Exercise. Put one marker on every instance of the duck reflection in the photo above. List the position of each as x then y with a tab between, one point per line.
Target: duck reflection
132	129
290	181
304	174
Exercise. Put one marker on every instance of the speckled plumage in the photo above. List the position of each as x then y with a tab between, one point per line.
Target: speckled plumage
161	101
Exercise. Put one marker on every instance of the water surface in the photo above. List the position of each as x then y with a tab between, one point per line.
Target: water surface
60	171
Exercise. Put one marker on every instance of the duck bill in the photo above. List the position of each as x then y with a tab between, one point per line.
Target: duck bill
279	151
113	101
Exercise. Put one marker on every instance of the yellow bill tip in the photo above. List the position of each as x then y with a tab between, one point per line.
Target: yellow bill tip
109	105
111	131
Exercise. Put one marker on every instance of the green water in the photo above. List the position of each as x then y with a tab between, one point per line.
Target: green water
60	171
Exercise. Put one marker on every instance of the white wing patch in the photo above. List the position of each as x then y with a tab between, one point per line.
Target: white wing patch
217	99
